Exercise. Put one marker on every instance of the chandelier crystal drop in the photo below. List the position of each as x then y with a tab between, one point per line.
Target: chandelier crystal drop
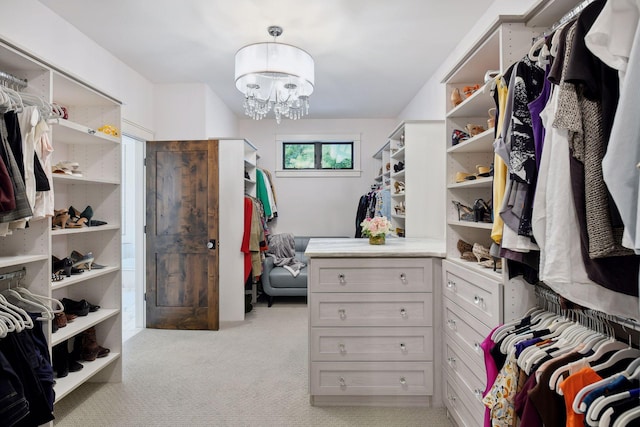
274	76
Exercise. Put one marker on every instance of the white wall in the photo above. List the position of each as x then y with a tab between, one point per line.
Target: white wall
33	27
318	206
429	103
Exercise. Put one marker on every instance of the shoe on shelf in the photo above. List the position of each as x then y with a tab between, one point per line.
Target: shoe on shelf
81	261
465	213
61	265
464	247
79	308
60	218
481	253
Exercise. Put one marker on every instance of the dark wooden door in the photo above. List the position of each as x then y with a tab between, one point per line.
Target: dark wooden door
182	235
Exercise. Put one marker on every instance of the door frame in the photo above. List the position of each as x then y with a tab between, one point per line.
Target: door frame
139	183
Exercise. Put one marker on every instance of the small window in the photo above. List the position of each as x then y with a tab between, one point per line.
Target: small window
317	155
323	155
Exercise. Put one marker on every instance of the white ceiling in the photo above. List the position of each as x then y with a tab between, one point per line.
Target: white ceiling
371	56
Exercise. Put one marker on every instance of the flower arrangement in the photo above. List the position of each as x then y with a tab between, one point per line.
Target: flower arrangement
376	226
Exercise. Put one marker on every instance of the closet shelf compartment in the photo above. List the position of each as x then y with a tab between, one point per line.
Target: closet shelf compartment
475	183
82	277
470	224
249	181
66	231
9	261
70	179
68	132
476	105
397	175
481	143
398	216
399	154
82	323
66	385
399	195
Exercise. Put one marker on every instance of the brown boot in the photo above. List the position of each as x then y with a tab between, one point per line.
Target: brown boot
86	346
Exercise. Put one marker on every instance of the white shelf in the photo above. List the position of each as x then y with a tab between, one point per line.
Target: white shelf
398	194
83	277
474	106
471	224
249	181
397	175
94	229
481	143
70	179
249	164
66	385
474	183
398	216
82	323
9	261
399	154
68	132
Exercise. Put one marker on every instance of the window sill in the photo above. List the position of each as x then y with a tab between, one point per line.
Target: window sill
317	173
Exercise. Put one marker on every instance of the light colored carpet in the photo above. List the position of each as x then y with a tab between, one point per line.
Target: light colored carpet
252	373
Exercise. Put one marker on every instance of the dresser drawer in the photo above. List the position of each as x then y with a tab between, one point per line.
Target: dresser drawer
371	275
466	331
371	378
455	402
376	344
471	381
374	309
473	292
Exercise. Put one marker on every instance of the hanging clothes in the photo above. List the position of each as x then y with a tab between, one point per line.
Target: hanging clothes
265	195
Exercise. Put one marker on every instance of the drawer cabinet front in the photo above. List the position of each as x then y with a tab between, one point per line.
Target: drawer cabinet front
367	275
466	331
345	309
476	294
455	402
377	344
372	378
466	376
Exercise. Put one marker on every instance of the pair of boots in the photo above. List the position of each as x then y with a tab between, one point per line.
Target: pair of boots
85	346
63	362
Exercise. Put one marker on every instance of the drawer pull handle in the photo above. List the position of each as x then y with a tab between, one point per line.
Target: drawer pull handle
403	348
342	348
403	381
403	277
341	278
476	347
343	383
452	398
478	300
403	312
451	323
91	131
342	313
451	360
451	285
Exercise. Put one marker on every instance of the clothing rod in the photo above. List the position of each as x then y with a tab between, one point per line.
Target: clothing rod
13	275
13	80
573	13
551	301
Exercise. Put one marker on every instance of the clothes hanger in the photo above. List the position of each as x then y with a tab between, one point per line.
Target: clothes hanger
41	298
625	353
577	405
16	299
597	407
536	47
13	317
627	417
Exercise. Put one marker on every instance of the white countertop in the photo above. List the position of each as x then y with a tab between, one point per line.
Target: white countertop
360	248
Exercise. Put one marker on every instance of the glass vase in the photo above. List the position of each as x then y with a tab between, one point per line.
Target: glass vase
377	240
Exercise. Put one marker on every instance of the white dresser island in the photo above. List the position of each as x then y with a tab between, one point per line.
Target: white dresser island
373	327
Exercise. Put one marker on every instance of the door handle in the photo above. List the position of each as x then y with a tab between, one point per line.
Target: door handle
211	244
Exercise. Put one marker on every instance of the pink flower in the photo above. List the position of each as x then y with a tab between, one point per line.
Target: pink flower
375	226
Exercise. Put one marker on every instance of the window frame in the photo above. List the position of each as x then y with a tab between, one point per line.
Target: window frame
318	140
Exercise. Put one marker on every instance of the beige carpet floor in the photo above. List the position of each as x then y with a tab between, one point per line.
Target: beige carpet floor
252	373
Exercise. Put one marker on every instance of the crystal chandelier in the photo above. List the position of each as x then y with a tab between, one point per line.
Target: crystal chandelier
274	76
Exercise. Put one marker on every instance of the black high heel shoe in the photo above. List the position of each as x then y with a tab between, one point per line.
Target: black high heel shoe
481	211
87	213
59	265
